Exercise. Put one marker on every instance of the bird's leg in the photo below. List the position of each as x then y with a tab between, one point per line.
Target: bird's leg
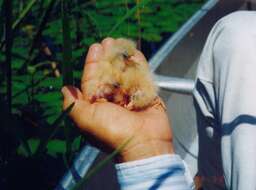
158	102
138	100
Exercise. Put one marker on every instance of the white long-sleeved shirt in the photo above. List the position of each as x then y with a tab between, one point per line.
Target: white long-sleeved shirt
165	172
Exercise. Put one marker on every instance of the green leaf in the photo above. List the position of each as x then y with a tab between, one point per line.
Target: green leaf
128	14
77	54
17	64
55	147
151	34
54	129
42	25
51	111
32	85
9	38
51	82
48	97
78	75
88	41
22	78
53	30
76	143
33	144
23	13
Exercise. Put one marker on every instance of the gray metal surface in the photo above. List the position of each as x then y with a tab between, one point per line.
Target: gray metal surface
174	84
80	167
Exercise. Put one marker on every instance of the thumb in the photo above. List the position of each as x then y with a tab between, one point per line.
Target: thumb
70	94
100	119
81	111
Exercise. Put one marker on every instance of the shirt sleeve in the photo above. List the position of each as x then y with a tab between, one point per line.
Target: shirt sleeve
156	173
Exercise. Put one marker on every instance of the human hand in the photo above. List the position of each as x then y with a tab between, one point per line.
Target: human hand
112	124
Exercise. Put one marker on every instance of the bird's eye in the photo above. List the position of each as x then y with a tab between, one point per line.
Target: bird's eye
125	54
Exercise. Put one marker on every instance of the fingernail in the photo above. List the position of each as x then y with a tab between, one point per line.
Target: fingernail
64	90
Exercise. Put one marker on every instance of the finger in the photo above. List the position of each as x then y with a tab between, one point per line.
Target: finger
98	119
79	94
108	44
80	112
94	55
138	57
70	94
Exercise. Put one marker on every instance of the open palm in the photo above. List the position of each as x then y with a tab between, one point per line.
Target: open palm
112	124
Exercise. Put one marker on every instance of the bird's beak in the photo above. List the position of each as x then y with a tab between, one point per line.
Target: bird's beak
128	59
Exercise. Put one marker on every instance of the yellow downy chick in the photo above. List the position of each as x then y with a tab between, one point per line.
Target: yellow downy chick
122	79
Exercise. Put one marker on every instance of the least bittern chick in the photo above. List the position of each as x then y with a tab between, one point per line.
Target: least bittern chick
122	79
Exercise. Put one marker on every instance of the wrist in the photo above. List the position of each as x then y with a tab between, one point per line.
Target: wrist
146	150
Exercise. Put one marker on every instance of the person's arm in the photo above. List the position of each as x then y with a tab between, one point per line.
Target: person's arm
150	147
159	172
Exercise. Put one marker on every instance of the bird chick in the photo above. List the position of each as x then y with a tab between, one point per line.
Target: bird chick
122	78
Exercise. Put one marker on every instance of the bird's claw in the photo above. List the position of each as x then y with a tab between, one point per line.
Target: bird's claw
158	103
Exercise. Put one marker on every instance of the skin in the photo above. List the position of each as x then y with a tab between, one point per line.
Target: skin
111	125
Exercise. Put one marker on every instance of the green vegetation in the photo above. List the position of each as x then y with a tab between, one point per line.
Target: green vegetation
43	44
